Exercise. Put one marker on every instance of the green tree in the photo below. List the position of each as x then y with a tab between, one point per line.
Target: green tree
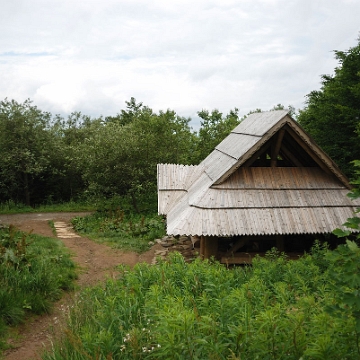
133	110
66	182
121	157
214	128
332	114
25	144
290	108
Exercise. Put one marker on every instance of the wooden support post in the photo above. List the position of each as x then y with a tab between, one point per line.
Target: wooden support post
280	242
208	247
276	148
202	247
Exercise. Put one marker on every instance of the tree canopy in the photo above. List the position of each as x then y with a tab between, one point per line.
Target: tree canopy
25	144
332	114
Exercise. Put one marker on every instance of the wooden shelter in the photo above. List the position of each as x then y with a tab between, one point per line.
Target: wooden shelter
266	184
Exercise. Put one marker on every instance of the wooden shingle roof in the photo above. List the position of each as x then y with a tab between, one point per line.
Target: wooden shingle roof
267	177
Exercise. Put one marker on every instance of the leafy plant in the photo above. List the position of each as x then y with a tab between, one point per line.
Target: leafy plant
121	230
202	310
13	248
345	280
33	273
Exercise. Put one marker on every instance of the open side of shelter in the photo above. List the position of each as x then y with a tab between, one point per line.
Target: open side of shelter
265	185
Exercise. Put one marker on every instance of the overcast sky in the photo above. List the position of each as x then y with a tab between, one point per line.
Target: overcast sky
186	55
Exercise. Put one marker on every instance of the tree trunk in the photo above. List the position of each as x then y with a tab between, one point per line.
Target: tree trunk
26	189
134	202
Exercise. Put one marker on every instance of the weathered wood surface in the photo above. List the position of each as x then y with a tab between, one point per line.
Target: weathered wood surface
225	195
280	178
250	221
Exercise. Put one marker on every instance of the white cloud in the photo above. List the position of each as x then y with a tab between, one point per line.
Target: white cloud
91	56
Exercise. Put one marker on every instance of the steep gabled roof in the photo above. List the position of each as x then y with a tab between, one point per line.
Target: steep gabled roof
254	134
267	177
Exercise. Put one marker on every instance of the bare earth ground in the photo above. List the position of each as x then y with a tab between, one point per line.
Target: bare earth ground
97	263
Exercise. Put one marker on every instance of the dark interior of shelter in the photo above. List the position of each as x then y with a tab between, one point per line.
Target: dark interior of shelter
241	249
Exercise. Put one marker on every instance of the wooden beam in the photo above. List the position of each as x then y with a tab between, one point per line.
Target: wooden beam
208	247
291	157
276	148
256	155
310	151
238	245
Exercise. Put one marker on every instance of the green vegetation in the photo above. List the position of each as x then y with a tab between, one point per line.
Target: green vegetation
34	271
332	114
9	207
48	160
277	309
132	232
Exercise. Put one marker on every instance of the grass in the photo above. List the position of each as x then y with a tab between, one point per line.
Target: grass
34	272
10	207
276	309
126	231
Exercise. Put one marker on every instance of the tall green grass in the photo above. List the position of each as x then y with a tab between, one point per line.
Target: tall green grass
121	229
10	207
34	271
276	309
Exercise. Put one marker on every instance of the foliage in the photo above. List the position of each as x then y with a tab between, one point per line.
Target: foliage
69	134
355	192
25	148
332	113
122	156
121	229
9	207
33	273
345	274
214	128
277	309
38	163
345	277
352	223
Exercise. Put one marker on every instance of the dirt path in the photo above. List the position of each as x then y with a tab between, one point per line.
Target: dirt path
96	261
